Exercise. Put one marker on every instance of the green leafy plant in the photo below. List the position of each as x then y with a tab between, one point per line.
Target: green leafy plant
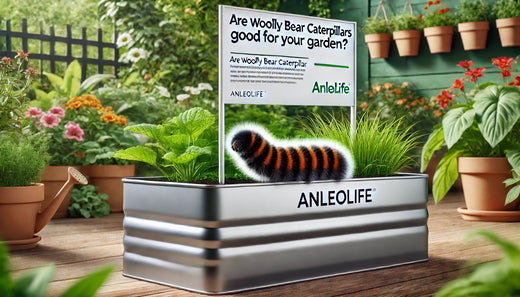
379	148
22	160
439	15
87	203
68	86
502	9
499	278
376	25
15	80
484	123
181	148
472	11
405	21
34	283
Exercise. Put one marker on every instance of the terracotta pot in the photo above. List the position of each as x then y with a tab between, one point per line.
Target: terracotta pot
407	42
482	183
18	210
108	179
509	31
378	45
439	38
53	177
473	35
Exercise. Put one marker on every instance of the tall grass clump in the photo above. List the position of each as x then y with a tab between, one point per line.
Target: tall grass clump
379	148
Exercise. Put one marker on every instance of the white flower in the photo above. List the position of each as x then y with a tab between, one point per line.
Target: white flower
182	97
135	54
195	91
163	91
187	89
205	86
123	40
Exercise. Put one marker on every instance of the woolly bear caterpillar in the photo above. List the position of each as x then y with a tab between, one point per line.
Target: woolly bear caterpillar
263	158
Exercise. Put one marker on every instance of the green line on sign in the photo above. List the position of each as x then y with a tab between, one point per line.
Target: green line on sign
330	65
237	53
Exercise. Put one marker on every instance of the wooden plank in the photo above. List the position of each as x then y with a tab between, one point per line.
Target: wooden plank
79	246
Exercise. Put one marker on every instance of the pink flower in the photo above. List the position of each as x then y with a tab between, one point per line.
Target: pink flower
49	120
33	112
74	131
57	111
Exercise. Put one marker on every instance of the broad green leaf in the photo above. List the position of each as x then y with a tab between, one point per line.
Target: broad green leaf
88	84
90	284
138	153
513	157
193	122
150	130
35	281
56	82
512	194
455	122
445	175
72	79
434	143
192	153
497	110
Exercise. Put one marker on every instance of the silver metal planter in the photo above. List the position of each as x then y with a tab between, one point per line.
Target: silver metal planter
226	238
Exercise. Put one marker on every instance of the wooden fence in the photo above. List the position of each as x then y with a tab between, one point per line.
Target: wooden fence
47	48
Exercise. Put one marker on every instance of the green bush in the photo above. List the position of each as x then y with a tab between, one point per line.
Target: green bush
22	161
85	202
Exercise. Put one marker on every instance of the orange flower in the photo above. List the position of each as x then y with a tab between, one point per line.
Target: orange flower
401	101
437	113
109	117
363	105
75	103
387	86
397	91
121	120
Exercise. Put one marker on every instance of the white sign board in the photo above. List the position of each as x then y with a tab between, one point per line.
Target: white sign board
284	59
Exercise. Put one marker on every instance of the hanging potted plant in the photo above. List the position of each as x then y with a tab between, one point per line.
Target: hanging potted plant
482	126
100	133
438	27
407	31
473	24
507	14
377	31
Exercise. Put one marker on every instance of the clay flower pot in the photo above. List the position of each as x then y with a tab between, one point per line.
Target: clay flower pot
439	38
482	182
509	31
108	179
378	45
473	35
407	42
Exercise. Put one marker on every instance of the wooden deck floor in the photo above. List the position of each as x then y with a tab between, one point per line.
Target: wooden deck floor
78	246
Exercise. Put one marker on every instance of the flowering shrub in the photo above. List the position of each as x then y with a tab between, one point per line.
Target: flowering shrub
15	79
83	133
481	121
439	15
401	101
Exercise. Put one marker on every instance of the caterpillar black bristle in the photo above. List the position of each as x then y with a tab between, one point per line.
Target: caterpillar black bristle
263	158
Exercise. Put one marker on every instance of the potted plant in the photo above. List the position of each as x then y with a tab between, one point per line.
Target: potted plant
438	27
100	133
211	230
377	31
481	125
407	32
473	24
507	14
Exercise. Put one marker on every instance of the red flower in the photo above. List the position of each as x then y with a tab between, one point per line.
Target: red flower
506	72
430	3
465	65
437	2
22	55
441	11
446	9
420	15
444	98
426	7
474	73
458	84
516	82
503	62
